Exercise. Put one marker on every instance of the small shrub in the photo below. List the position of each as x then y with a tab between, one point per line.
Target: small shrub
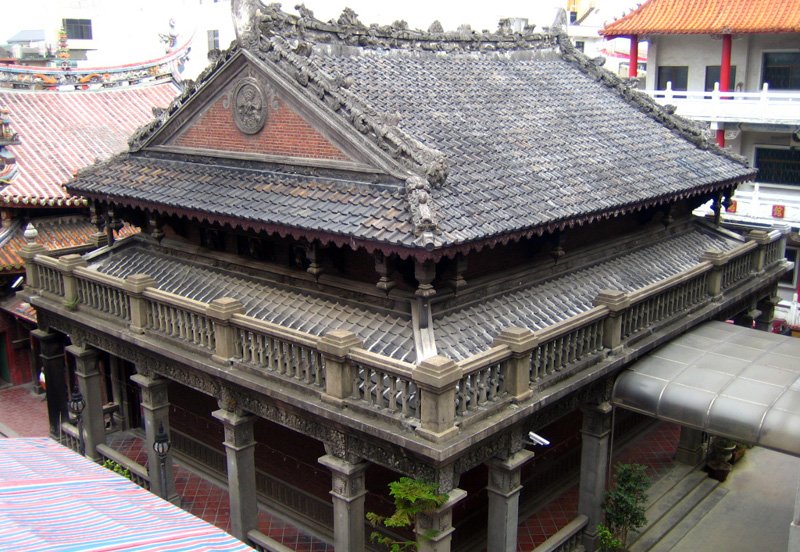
411	497
606	539
117	468
625	503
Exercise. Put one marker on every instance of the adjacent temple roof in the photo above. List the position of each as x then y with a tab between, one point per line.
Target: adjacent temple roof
708	17
61	132
407	141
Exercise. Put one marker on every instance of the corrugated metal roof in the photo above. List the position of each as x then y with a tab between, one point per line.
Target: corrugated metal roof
708	17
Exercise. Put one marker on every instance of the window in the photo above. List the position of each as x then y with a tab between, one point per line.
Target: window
678	75
790	278
713	76
78	29
579	45
781	70
778	166
213	40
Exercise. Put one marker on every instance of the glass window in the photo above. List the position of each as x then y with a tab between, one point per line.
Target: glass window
713	76
580	45
778	166
678	75
782	70
213	40
78	29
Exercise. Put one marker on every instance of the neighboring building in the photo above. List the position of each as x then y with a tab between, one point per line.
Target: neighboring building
750	48
392	252
47	136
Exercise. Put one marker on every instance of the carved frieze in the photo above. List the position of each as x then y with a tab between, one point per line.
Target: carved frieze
249	106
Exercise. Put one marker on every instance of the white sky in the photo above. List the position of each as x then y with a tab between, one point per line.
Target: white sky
418	13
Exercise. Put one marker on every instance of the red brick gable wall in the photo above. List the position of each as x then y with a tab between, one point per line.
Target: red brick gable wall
285	133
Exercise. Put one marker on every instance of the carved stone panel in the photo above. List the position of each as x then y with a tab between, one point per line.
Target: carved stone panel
249	106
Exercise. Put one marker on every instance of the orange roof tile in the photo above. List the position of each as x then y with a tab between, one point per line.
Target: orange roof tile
708	17
61	132
54	233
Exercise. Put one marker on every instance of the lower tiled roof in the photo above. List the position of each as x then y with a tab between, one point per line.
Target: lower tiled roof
470	330
54	233
382	333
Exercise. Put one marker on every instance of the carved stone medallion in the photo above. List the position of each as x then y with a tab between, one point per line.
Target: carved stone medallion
249	106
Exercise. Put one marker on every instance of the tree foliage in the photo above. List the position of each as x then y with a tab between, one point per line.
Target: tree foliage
625	503
411	497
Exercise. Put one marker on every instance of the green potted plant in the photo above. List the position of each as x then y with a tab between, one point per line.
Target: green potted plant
624	506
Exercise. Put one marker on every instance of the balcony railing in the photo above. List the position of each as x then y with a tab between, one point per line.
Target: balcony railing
435	395
764	106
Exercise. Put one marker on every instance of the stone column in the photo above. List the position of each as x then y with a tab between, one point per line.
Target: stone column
220	311
596	433
718	260
440	522
517	380
116	392
503	490
690	446
89	382
155	406
51	353
240	448
348	492
339	372
67	265
28	252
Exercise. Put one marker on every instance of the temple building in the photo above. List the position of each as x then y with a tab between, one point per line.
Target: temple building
370	251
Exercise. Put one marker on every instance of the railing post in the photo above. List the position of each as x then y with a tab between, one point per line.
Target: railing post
135	286
28	252
436	378
67	264
717	259
339	371
517	374
616	302
220	311
763	239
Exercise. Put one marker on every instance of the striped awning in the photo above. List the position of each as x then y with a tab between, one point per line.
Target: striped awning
52	499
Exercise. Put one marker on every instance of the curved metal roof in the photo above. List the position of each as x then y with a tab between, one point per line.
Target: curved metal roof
726	380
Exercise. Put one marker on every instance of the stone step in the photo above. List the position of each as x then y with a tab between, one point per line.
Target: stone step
668	541
675	475
672	508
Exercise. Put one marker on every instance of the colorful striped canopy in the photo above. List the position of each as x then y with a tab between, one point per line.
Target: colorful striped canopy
56	500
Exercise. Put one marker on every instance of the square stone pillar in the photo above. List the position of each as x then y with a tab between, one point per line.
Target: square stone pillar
220	311
51	354
155	407
134	285
67	265
617	302
89	382
503	489
339	371
718	260
348	492
517	376
436	378
28	252
240	452
440	523
595	436
690	446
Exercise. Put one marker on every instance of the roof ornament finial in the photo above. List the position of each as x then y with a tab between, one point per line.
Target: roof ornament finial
31	233
349	18
245	21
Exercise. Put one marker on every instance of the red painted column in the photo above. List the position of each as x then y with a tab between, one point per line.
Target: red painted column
633	60
724	78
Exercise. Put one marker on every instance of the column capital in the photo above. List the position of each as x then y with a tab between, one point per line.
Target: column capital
615	300
137	283
519	340
69	262
224	308
337	343
436	373
148	381
513	462
342	466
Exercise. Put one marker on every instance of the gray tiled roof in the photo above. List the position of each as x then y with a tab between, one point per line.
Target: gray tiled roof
459	336
517	134
382	333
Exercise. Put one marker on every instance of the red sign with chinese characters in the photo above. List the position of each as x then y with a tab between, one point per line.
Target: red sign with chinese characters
778	211
732	207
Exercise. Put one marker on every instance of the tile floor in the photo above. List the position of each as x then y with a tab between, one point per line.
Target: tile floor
24	414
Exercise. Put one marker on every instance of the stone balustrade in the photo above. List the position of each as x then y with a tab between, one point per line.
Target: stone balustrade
435	395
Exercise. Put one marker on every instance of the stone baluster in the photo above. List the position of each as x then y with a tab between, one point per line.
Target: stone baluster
503	489
617	302
436	378
718	260
135	285
241	468
339	371
89	382
220	311
67	264
517	374
348	492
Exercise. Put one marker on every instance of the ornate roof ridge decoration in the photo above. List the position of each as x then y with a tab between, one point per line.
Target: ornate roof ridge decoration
189	88
694	132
